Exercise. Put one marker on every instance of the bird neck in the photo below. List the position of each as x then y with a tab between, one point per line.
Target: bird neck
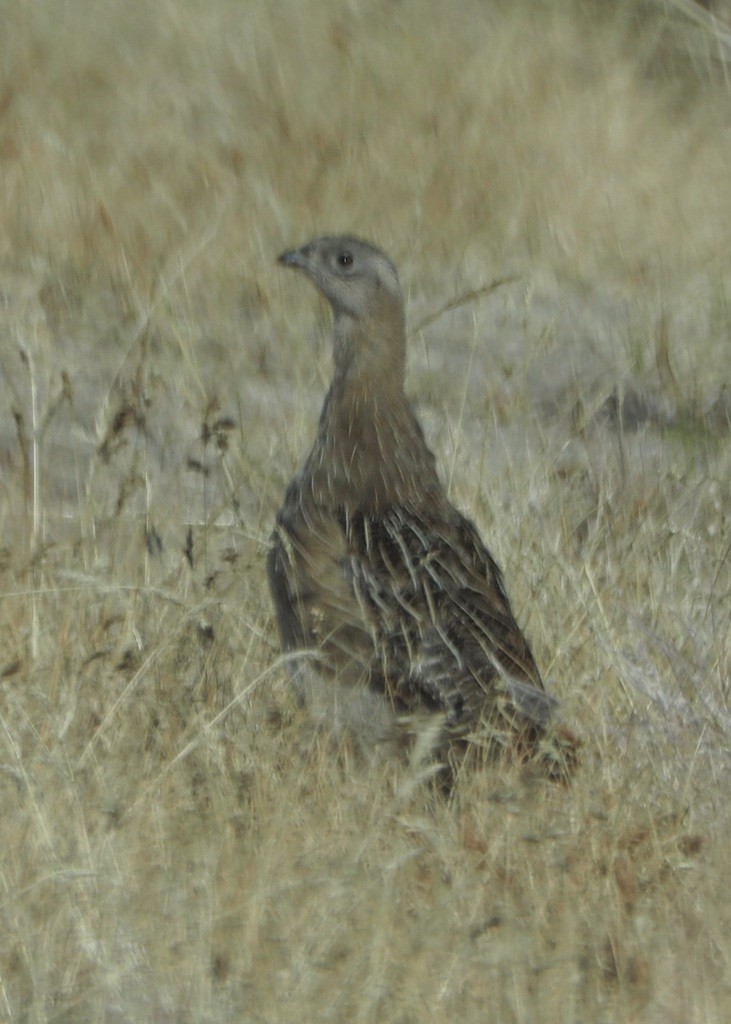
370	452
369	354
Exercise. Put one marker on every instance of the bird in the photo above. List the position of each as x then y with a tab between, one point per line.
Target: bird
390	608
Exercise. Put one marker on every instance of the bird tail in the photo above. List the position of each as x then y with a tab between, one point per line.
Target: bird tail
525	728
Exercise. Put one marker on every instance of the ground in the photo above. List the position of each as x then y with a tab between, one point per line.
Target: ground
552	181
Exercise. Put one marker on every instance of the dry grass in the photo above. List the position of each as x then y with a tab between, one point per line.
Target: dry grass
176	844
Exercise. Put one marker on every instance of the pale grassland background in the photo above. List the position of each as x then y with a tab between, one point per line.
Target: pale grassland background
175	844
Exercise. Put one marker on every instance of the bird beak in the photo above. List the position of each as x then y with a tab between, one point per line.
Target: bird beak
291	258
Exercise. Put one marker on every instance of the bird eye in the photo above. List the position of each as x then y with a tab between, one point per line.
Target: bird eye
345	259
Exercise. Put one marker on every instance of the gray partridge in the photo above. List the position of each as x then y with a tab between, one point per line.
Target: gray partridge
389	605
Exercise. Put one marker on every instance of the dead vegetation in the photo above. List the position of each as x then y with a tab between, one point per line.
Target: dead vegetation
176	844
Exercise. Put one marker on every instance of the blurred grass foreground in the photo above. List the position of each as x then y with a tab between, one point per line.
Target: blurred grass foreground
177	845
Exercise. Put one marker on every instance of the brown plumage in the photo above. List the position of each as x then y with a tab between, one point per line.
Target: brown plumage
386	598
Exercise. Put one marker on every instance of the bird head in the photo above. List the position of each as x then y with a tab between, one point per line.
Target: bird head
358	280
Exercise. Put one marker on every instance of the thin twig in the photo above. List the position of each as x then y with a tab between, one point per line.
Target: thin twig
462	300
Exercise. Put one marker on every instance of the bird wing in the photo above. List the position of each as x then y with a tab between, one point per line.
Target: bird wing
435	602
416	608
